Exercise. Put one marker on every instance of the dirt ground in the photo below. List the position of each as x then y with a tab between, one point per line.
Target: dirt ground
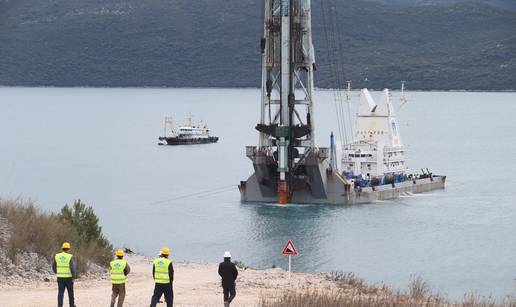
195	284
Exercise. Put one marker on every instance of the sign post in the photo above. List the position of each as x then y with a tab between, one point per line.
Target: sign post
289	265
289	250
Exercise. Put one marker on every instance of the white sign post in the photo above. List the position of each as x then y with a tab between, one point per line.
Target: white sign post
289	250
289	265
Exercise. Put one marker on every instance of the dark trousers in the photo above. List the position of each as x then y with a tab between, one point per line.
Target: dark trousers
118	291
165	290
229	292
62	284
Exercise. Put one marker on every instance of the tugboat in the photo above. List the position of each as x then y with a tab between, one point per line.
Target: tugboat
188	134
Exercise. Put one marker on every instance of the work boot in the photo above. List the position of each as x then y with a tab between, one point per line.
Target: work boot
226	304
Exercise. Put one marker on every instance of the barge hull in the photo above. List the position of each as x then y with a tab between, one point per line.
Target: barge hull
337	192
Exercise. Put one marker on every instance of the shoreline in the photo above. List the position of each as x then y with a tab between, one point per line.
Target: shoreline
247	88
195	284
198	284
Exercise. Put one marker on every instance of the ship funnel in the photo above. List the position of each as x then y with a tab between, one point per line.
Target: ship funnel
367	104
385	106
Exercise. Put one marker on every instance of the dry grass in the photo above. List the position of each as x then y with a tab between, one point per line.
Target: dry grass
342	298
419	289
352	291
349	280
32	230
335	298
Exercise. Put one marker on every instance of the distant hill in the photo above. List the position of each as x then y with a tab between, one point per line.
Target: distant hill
215	43
504	4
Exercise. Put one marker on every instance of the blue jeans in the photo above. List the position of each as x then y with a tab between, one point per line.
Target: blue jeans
62	284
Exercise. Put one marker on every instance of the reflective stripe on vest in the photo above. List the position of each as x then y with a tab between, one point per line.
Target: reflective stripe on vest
117	271
63	265
161	270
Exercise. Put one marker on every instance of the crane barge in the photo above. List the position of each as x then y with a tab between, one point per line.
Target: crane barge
288	167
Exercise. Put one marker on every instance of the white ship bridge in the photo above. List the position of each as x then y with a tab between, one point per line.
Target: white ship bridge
376	150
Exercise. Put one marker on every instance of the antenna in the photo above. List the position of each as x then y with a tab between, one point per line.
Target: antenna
189	119
403	99
348	91
167	122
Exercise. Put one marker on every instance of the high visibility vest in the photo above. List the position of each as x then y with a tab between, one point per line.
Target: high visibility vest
161	270
63	265
117	271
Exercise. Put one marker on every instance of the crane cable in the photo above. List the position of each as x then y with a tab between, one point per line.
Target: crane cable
196	194
330	27
331	67
340	40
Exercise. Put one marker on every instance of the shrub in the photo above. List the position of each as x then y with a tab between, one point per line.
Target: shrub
91	245
32	230
240	264
84	222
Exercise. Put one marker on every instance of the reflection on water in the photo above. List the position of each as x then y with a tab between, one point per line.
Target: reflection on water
100	145
305	225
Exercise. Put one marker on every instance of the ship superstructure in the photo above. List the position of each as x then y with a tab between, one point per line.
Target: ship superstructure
377	152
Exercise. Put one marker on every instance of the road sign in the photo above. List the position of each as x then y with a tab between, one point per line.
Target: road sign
289	249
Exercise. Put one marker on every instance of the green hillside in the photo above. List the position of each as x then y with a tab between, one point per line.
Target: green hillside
215	43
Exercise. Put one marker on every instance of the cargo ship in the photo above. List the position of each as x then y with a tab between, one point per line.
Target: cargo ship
373	164
188	134
288	166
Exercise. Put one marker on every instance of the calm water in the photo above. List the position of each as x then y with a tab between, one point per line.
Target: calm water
99	145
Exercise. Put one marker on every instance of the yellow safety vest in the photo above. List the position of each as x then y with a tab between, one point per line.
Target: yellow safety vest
161	270
63	265
117	271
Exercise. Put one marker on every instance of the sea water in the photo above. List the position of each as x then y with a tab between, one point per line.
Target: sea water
100	146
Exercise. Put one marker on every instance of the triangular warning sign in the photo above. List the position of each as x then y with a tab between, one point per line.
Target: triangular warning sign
289	249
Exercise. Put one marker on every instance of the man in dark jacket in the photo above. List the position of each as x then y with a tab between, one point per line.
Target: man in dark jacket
64	267
229	273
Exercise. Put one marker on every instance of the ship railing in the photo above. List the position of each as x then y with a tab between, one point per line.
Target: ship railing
394	149
394	159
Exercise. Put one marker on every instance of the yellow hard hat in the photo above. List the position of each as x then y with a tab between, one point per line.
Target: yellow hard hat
165	251
66	245
119	253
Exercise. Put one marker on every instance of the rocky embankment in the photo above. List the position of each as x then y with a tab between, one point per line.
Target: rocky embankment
16	269
23	266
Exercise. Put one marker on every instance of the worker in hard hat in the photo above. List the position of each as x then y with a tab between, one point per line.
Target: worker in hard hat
119	269
228	272
64	267
163	274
